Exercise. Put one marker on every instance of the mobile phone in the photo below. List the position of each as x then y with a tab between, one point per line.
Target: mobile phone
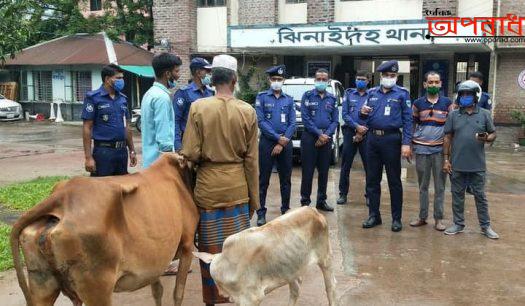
482	135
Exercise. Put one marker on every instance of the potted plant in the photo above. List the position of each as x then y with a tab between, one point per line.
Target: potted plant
520	117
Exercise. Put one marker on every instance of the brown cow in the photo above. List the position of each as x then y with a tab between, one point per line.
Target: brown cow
95	236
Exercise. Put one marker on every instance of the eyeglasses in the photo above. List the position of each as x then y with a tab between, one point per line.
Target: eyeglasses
431	113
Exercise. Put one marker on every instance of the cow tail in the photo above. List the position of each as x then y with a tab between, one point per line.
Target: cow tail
29	217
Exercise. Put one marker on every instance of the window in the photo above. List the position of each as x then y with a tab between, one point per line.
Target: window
24	87
43	86
81	84
95	5
295	1
211	3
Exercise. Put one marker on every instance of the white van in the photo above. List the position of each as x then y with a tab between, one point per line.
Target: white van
296	87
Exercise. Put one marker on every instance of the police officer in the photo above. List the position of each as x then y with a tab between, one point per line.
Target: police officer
276	117
201	78
484	101
320	116
387	109
354	132
106	121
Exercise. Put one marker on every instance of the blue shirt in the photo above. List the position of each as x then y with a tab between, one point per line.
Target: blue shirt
157	123
108	115
390	111
276	116
181	104
485	101
319	115
352	104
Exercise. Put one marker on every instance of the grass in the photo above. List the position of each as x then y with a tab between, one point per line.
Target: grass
23	196
6	260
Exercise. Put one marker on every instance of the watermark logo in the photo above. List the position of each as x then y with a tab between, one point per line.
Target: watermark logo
521	79
509	28
437	12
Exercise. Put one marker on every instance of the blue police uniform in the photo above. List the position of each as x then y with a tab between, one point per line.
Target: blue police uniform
485	101
352	103
276	118
109	118
390	112
319	116
184	97
181	104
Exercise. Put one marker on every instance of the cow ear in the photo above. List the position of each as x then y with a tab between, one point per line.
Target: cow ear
205	257
59	185
129	188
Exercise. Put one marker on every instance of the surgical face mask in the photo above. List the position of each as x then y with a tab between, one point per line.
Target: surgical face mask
321	85
388	82
276	86
118	85
171	82
466	101
206	80
433	90
361	84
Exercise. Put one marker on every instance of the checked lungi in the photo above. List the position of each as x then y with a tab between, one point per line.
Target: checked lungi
214	227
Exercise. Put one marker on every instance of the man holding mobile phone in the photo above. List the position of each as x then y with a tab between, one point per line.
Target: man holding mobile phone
466	132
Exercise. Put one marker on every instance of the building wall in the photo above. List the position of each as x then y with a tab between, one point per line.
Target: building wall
320	11
350	11
176	21
292	13
212	29
253	12
468	8
509	95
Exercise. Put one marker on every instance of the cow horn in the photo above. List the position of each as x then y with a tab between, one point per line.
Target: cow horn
128	188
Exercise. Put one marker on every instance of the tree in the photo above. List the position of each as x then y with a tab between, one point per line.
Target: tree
27	22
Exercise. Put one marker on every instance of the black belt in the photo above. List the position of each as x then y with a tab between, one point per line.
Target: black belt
384	132
111	144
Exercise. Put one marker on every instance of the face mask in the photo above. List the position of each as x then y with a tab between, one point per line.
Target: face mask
321	86
206	80
118	85
276	85
388	82
433	90
466	101
361	84
171	84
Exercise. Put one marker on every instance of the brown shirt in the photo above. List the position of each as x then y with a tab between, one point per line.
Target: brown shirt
221	136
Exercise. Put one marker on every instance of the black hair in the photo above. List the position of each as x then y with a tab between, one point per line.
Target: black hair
221	76
194	70
322	70
431	72
165	62
362	73
110	70
476	74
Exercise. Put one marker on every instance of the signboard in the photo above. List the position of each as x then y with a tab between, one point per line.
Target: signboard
312	67
337	35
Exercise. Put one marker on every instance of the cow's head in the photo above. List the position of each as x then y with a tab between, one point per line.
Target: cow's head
183	166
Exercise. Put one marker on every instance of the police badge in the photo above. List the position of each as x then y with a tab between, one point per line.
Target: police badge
105	117
180	101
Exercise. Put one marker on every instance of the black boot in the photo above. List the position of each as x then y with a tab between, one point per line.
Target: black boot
261	220
324	207
342	200
397	226
372	221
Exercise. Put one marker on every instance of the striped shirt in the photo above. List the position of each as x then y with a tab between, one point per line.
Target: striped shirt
429	120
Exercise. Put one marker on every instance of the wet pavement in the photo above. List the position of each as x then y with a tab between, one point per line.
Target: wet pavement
373	267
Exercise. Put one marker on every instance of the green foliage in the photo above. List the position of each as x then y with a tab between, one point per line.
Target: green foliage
23	196
24	23
6	260
248	93
518	116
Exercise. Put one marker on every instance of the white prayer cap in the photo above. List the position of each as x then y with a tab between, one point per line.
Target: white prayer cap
225	61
